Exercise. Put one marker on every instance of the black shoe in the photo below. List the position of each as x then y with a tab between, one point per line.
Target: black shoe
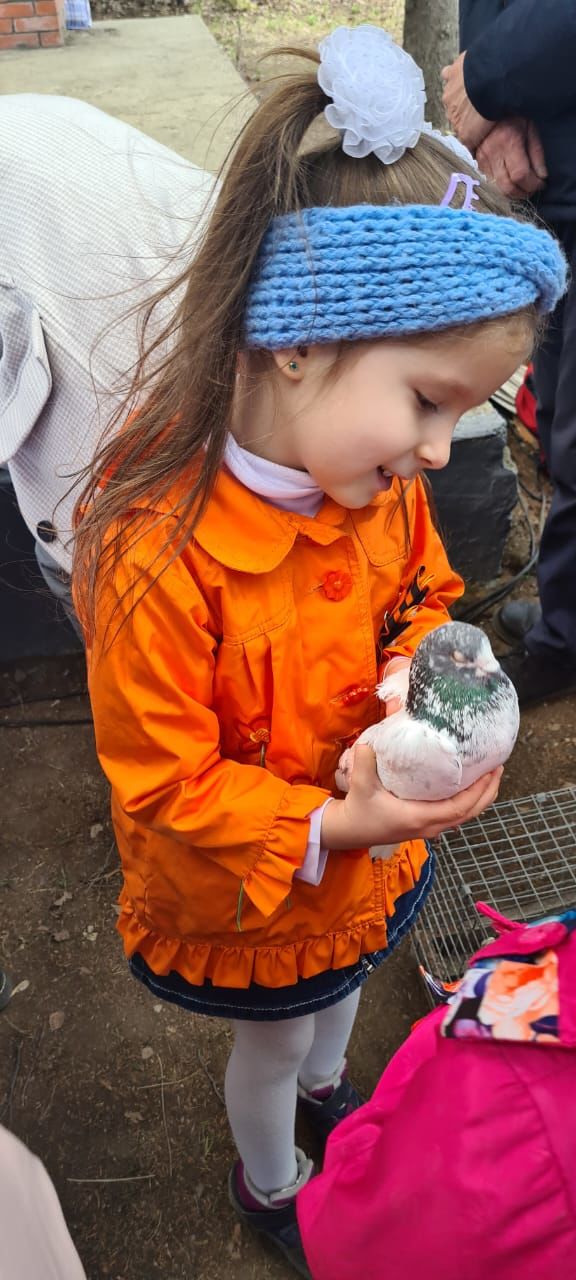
538	679
278	1222
516	618
327	1113
5	989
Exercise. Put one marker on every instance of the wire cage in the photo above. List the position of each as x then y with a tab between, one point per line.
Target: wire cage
519	856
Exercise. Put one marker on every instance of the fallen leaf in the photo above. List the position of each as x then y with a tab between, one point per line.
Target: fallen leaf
61	936
234	1243
64	897
22	986
95	829
134	1116
56	1020
147	1052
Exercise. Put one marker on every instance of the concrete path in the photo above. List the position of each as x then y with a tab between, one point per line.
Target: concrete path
167	76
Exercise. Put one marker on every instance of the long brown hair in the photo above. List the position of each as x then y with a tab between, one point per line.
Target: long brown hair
175	440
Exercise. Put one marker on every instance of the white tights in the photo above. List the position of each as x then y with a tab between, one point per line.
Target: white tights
266	1063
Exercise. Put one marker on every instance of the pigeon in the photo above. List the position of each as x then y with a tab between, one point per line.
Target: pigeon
460	720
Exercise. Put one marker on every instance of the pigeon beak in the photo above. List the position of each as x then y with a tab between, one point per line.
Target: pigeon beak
487	666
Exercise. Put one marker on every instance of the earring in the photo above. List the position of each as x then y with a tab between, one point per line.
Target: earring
293	366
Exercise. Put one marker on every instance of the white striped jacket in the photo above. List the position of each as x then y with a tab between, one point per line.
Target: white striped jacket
92	214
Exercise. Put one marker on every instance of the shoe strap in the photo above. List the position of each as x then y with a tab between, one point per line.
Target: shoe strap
276	1199
331	1083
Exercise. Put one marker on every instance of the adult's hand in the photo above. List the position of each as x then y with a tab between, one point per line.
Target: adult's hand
468	125
513	157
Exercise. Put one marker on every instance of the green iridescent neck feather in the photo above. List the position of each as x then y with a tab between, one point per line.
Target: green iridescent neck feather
447	701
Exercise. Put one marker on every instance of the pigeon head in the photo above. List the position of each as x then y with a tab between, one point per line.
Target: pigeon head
453	667
459	650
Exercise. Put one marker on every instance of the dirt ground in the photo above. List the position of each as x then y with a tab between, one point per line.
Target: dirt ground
121	1096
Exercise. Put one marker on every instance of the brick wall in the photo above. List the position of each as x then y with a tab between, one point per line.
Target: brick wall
31	24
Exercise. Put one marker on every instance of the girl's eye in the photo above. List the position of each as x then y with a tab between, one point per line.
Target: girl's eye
426	404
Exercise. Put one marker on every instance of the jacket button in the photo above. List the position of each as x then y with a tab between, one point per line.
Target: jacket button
337	584
46	531
354	694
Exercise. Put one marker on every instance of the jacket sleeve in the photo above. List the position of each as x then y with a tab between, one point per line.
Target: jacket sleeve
151	677
524	62
429	585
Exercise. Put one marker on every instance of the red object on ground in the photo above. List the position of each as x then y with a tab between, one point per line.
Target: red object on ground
526	401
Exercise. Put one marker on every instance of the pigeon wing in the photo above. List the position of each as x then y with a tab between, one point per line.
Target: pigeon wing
414	760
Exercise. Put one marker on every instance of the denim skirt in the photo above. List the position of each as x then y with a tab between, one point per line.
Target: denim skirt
307	995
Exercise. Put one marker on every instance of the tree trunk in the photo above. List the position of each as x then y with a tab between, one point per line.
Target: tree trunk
431	36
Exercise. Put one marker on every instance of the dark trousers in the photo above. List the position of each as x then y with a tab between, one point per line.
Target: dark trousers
554	637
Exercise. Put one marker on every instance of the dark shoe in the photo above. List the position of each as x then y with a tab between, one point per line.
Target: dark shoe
325	1113
5	989
276	1220
538	679
517	617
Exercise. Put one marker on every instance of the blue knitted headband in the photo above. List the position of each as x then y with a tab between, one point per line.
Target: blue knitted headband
376	271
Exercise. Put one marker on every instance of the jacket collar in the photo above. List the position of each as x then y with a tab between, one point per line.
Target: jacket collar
242	531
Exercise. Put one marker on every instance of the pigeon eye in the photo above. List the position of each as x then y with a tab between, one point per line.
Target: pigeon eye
459	658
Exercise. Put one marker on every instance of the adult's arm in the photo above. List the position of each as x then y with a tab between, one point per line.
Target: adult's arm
523	64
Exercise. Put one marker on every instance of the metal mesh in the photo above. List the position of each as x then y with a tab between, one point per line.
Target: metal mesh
519	856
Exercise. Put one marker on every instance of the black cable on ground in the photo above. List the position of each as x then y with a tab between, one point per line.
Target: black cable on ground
42	697
43	724
480	607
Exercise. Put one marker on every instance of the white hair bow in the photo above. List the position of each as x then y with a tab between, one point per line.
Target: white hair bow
378	94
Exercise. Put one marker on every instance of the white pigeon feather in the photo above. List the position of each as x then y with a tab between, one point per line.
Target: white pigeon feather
414	761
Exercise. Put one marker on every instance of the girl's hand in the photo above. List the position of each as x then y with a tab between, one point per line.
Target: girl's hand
369	815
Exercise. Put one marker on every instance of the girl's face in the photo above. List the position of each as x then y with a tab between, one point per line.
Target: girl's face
389	408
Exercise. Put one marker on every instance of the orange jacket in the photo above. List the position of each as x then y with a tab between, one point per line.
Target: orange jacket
221	707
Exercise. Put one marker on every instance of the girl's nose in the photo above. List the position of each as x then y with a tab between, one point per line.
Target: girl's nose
434	454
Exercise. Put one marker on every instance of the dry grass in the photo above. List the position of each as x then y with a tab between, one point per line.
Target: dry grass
248	29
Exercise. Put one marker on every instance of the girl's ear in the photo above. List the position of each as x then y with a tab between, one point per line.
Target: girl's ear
291	361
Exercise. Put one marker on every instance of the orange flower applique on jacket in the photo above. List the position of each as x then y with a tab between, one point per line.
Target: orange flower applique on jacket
337	584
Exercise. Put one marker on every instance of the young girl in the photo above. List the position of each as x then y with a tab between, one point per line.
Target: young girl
257	549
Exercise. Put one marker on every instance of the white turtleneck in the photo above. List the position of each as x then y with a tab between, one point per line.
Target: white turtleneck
284	487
